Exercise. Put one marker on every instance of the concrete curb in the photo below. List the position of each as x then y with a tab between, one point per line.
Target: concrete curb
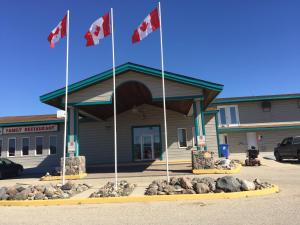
67	177
154	198
218	171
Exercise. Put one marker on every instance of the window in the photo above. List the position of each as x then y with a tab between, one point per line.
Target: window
228	115
296	140
182	139
25	146
52	145
11	147
39	145
0	147
287	141
266	106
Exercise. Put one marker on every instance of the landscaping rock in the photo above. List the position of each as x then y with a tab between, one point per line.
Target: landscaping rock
39	196
247	185
3	195
186	183
151	191
201	188
41	192
209	181
228	184
123	189
67	186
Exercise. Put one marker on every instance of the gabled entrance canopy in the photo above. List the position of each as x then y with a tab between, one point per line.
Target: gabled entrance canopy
137	85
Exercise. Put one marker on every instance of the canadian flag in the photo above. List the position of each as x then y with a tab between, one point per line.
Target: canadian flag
150	24
98	30
58	32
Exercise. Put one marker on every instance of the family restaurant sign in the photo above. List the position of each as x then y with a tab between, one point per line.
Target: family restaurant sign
29	129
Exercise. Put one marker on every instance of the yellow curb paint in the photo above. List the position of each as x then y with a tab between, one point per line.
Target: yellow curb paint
218	171
67	177
154	198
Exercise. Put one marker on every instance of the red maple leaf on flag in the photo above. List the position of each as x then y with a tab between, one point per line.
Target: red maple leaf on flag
144	26
97	30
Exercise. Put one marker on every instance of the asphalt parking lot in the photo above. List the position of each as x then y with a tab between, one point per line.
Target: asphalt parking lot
282	208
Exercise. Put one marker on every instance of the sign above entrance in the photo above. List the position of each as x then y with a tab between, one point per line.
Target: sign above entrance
29	129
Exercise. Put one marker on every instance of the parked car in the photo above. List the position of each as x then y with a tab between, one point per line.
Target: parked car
289	148
9	168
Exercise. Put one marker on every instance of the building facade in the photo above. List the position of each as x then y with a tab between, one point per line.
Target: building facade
259	121
140	126
195	120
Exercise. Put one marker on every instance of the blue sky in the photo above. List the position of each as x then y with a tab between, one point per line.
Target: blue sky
250	46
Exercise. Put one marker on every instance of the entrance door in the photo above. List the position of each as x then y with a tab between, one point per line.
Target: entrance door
146	143
147	150
252	140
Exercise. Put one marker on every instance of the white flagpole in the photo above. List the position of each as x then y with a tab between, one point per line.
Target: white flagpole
164	94
114	93
66	101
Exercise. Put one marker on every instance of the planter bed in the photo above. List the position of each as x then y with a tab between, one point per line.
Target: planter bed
108	190
42	192
204	185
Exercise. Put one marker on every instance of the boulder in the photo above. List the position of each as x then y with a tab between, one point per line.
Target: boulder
39	196
201	188
151	191
169	189
188	191
228	184
247	185
186	183
3	195
67	186
210	182
11	191
174	181
50	191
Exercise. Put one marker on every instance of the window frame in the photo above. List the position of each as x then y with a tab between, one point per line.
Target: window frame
22	145
228	115
49	150
11	138
186	140
36	145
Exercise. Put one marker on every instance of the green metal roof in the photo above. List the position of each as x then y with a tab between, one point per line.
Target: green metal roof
133	67
256	98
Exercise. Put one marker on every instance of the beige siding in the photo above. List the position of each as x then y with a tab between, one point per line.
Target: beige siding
238	141
96	138
103	90
211	134
281	111
30	161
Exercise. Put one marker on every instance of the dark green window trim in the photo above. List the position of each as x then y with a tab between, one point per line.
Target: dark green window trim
226	130
133	67
132	140
256	98
31	123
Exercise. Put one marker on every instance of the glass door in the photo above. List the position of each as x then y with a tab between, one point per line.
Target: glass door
146	143
147	147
